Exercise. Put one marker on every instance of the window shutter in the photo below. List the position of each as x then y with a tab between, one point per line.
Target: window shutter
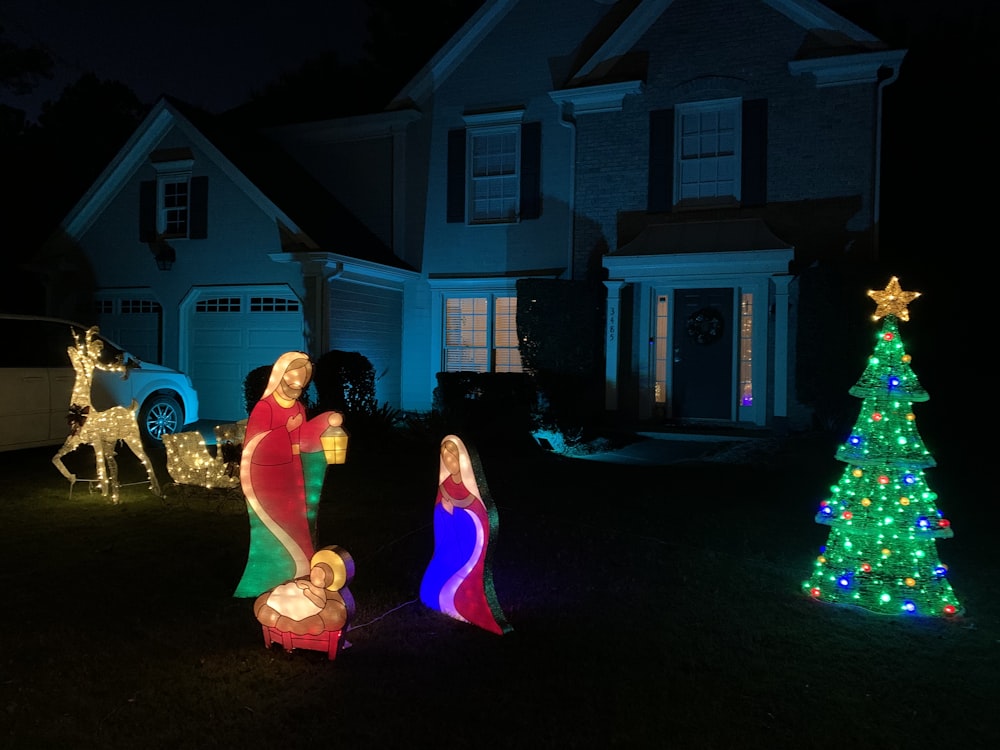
456	176
199	208
754	153
660	195
531	170
147	211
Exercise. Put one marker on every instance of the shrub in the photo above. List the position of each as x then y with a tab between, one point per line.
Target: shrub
345	382
256	381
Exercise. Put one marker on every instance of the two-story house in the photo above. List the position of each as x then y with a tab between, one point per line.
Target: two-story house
691	156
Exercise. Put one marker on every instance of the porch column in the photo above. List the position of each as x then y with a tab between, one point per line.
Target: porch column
781	284
318	269
612	317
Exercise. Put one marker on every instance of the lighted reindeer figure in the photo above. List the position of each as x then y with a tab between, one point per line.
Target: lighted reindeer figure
100	429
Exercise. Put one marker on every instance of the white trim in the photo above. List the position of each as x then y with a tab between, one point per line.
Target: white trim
698	266
589	100
612	342
847	70
135	154
477	284
484	119
350	269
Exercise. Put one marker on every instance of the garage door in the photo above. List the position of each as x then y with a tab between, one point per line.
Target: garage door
232	332
131	321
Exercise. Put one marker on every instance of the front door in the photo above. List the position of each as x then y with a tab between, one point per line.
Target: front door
703	354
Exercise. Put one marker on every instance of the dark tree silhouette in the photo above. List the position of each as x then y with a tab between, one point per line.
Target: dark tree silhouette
52	163
22	67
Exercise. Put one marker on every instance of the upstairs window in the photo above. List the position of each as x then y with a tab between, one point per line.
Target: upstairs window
494	175
707	150
494	170
708	153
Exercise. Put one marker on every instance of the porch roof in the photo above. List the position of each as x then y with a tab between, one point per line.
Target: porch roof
732	235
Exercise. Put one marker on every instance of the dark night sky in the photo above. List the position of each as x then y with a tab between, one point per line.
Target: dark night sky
211	53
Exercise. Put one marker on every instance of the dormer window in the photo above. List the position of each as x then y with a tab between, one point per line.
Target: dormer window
173	220
174	206
173	193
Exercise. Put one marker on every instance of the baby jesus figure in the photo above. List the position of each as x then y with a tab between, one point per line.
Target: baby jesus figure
311	604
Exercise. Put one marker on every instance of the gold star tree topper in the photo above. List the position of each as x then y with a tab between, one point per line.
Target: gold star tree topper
892	300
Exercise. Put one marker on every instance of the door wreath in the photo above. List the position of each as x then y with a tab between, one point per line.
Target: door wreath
705	325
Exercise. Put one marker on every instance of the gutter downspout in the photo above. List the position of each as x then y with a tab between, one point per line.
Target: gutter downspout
877	197
567	121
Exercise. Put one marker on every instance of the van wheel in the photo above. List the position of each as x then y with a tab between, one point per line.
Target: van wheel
160	415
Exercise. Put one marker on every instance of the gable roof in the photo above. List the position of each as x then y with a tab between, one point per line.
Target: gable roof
829	36
305	212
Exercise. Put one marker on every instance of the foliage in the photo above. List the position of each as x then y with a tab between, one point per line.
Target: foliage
345	382
53	164
486	406
828	348
256	381
254	385
22	67
400	42
560	327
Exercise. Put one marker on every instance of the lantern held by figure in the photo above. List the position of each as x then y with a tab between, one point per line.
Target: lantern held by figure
334	440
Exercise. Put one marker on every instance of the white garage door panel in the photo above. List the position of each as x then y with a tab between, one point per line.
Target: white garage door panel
226	346
138	334
231	338
273	336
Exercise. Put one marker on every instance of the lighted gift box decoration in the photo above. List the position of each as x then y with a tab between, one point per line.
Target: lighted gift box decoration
102	430
282	470
458	580
880	553
311	612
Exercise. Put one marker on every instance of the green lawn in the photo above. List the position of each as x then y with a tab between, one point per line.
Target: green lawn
652	607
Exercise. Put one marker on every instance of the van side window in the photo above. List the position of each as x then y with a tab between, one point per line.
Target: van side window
53	341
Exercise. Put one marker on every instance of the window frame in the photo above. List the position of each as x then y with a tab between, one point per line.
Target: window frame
175	172
732	106
489	126
491	293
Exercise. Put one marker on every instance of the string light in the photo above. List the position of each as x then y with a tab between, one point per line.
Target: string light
190	462
884	523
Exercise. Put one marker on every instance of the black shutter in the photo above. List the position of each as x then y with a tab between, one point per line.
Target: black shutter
198	228
660	195
531	170
754	177
456	176
147	211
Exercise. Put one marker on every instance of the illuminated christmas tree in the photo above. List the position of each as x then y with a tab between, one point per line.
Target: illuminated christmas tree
881	552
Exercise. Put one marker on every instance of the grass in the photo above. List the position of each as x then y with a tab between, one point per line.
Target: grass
653	607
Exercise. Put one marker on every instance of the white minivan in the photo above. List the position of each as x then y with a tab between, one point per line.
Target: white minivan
37	377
